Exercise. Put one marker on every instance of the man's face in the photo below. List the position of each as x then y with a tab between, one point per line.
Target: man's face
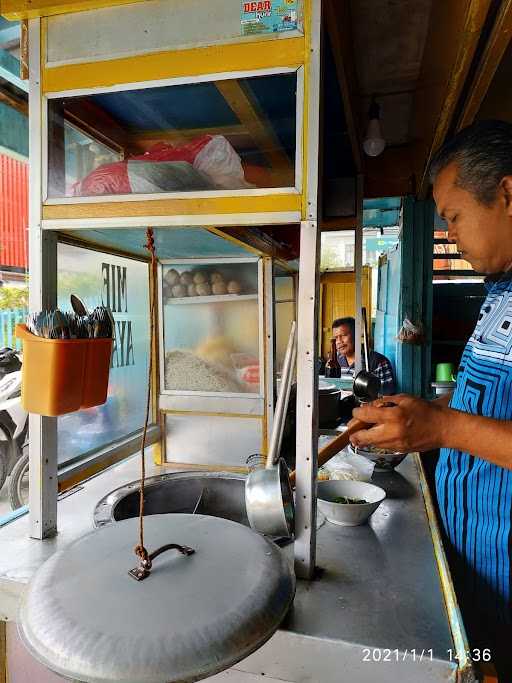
344	341
483	234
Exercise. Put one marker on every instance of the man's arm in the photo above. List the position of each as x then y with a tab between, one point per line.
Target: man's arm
443	400
416	425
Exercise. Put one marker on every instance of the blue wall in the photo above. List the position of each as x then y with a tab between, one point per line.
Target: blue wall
13	130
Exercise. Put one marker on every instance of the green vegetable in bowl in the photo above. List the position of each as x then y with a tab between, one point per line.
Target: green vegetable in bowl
344	500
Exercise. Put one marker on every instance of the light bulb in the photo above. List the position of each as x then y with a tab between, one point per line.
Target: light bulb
374	142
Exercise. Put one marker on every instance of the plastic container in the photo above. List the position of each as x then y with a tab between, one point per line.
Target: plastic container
97	366
61	376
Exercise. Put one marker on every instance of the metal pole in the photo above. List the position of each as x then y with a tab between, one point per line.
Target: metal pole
358	258
268	346
307	400
307	314
42	294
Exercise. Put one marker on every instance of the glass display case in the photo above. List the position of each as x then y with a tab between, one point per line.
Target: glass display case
211	326
223	135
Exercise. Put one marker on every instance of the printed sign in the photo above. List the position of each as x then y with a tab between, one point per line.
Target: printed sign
269	16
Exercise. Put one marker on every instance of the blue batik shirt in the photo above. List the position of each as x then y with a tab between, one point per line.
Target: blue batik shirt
475	496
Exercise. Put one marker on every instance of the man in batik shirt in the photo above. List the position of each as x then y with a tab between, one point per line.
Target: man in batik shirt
472	177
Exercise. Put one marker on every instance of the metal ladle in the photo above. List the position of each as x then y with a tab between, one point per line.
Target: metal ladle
268	494
367	386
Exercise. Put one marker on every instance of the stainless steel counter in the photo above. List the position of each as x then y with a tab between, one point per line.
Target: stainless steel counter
375	613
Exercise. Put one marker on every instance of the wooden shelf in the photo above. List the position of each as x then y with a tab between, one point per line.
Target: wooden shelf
210	299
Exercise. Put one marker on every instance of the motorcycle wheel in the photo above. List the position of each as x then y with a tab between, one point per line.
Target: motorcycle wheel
4	459
18	482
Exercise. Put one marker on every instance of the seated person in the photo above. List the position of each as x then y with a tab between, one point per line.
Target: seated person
343	331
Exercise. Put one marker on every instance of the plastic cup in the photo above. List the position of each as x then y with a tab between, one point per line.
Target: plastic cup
445	372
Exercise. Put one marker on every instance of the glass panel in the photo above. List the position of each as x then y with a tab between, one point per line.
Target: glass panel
83	155
283	288
224	135
123	285
211	327
285	314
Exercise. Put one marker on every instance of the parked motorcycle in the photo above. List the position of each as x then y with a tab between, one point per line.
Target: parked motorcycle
13	429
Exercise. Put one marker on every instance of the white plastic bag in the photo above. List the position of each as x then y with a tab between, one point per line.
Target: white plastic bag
348	466
222	164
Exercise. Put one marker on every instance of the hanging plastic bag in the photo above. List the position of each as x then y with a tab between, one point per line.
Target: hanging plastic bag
222	164
411	333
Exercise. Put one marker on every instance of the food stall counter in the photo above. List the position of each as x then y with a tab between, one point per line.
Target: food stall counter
376	609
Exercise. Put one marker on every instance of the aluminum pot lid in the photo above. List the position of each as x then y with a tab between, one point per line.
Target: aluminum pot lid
86	618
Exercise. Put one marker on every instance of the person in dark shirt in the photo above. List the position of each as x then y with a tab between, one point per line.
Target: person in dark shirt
343	331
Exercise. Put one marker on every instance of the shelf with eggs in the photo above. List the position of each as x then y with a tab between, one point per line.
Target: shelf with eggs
204	284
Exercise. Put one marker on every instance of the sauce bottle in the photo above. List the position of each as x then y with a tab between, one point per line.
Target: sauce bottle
333	367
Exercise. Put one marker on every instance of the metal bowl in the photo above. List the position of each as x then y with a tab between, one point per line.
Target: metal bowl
223	495
384	462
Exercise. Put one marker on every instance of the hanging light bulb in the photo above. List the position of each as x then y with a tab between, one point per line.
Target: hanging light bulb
374	142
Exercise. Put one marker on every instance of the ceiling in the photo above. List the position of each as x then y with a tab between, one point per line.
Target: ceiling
388	42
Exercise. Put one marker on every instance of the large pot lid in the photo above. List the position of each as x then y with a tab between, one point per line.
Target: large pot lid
85	617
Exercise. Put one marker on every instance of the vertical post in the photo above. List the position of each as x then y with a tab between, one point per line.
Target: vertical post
307	314
358	262
307	400
268	346
42	294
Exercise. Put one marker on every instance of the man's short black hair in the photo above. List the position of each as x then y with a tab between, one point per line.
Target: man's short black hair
349	322
483	154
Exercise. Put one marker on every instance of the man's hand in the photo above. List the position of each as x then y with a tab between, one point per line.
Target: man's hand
411	424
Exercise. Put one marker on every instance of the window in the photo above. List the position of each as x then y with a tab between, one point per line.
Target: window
123	285
224	135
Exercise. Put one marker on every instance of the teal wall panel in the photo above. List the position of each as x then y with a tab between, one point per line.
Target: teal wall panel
405	290
13	130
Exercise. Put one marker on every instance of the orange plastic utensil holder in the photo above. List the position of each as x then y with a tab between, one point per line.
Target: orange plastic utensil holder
61	376
97	366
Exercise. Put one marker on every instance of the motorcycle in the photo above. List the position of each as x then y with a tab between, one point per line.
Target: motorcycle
13	429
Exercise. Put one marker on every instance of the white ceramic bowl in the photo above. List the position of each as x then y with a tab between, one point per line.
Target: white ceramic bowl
384	462
348	514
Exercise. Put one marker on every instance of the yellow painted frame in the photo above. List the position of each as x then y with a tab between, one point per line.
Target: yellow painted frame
228	58
174	207
32	9
212	59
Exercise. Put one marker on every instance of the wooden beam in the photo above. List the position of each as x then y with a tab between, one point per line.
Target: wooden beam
338	24
256	124
256	241
236	134
494	50
454	30
15	102
96	123
335	224
31	9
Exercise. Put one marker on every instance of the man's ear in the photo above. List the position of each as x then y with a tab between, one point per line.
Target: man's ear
506	185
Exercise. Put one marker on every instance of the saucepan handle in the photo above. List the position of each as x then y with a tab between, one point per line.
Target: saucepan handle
334	446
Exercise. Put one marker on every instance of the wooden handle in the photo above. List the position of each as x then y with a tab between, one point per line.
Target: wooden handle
334	446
